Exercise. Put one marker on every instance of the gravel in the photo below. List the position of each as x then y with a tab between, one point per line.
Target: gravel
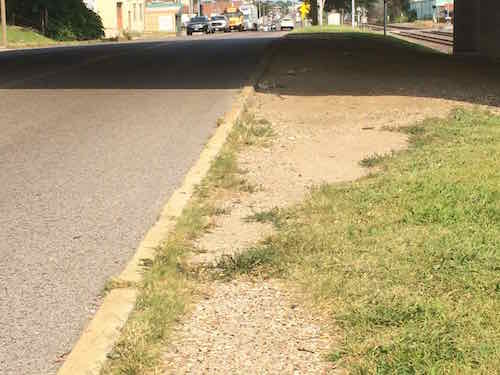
246	327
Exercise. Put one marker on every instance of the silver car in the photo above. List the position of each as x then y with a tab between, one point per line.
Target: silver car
220	23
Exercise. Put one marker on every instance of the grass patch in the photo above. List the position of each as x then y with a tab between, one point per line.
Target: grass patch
225	173
272	216
325	29
252	262
26	37
374	160
406	262
250	131
348	33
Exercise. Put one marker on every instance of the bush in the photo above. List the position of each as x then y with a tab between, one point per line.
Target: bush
60	32
67	19
401	19
412	15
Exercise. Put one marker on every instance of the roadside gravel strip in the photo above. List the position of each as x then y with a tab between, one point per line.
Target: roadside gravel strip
90	352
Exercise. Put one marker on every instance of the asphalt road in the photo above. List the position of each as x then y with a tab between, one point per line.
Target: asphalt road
93	140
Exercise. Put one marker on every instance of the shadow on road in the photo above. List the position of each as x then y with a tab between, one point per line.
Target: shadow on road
356	64
211	62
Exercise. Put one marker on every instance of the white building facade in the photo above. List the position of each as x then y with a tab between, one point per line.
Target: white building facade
119	16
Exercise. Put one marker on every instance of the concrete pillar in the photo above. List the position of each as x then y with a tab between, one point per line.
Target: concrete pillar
467	26
489	37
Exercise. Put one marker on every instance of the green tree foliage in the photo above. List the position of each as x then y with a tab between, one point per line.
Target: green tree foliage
66	19
346	4
398	8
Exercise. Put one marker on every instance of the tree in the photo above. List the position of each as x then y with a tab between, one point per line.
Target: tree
346	4
58	19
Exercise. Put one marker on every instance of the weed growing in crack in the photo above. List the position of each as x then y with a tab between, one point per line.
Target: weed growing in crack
258	261
271	216
374	160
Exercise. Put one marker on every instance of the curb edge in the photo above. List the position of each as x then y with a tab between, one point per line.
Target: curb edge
90	352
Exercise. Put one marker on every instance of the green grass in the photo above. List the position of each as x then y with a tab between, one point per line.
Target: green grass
272	216
406	262
356	34
325	29
258	261
374	160
225	173
26	37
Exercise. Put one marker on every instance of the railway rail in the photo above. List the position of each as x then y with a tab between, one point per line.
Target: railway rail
436	37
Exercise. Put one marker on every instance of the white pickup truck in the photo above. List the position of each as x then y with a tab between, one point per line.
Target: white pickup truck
287	24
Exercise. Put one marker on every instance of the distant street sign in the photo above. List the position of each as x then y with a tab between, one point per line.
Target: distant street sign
304	10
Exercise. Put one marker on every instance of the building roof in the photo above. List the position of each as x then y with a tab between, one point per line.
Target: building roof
163	5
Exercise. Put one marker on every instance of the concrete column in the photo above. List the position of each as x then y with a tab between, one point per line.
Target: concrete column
467	26
489	37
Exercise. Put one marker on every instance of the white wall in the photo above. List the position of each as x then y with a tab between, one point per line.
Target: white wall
107	9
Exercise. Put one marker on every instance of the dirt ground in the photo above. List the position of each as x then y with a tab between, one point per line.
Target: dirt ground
329	101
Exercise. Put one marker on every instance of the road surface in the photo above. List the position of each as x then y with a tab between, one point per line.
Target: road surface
93	140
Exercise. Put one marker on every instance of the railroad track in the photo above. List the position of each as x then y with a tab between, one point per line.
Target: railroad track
427	38
439	32
439	37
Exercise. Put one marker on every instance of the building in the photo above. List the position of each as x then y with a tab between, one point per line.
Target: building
119	16
162	17
427	9
209	7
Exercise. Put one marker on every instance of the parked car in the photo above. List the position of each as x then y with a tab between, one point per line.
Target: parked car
287	24
199	24
220	23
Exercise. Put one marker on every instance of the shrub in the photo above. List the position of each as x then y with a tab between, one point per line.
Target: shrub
412	15
67	19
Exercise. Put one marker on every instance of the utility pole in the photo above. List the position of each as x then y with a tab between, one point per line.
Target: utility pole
4	23
320	17
385	17
353	11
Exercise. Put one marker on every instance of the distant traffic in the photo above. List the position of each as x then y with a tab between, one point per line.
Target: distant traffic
244	18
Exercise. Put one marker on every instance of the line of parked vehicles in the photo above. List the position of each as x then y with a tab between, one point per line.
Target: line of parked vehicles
243	19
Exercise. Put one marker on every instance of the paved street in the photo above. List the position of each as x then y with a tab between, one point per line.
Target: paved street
93	140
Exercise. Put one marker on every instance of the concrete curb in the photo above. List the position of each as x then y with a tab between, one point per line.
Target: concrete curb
99	337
